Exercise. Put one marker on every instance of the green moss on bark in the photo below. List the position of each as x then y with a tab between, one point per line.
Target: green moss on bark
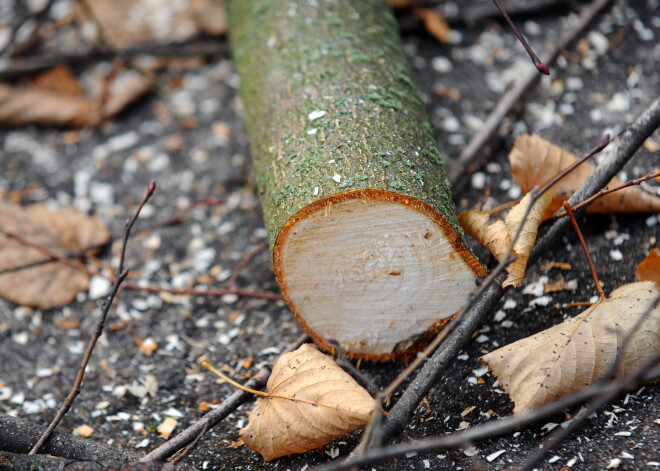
330	105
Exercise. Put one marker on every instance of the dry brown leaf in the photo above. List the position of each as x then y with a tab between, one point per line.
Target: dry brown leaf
167	426
51	284
21	106
312	401
56	98
649	268
535	161
434	23
569	356
126	23
497	237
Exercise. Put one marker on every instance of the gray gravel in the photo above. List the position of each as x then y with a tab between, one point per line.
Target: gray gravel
189	136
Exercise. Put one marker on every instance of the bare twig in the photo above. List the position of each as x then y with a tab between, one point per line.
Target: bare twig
499	427
75	389
51	254
583	243
244	263
19	435
197	48
540	66
621	150
607	191
470	157
506	259
216	415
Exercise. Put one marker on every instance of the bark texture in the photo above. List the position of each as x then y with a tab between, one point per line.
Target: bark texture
331	107
334	118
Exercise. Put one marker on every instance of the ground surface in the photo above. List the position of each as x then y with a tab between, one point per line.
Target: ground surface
594	89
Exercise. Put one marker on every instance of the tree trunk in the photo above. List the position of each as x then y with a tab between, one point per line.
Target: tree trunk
366	247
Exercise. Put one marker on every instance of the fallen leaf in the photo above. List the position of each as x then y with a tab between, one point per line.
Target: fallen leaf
311	402
649	268
434	23
166	427
497	236
535	161
51	283
569	356
56	98
126	23
21	106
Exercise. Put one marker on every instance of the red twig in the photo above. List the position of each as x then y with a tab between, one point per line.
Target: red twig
606	191
592	268
540	66
75	389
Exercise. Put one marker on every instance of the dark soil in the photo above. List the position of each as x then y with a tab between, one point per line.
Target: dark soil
599	86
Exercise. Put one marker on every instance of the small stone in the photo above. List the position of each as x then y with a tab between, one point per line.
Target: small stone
314	115
478	180
616	255
441	64
494	456
614	463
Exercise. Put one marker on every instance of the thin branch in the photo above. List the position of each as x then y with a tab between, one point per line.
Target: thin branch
197	48
620	151
499	427
607	191
583	243
244	263
19	435
471	155
540	66
75	389
216	415
51	254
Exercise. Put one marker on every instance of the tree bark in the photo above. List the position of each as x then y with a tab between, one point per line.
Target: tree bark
366	246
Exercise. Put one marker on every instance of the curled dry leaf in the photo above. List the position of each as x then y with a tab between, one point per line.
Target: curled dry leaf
43	283
569	356
497	237
535	161
310	402
649	268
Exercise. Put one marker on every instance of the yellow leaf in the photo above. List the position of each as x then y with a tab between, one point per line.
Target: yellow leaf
525	243
44	283
535	161
569	356
497	237
311	401
649	268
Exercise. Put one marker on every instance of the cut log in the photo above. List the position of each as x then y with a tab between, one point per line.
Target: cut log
366	247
